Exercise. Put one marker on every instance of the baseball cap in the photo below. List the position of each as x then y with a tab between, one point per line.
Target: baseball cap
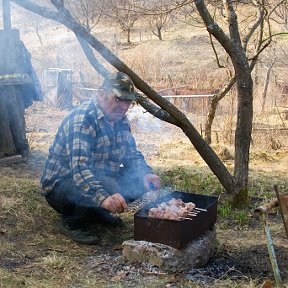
121	84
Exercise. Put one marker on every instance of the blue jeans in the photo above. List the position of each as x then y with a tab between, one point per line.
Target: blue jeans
67	199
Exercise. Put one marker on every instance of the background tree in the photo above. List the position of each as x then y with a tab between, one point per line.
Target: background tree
123	13
87	12
281	14
255	33
157	16
268	72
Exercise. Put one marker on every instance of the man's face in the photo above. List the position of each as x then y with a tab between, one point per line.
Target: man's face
113	108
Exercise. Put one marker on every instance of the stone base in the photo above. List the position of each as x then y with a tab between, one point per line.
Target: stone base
194	255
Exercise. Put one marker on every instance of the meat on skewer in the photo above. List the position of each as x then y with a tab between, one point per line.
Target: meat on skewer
175	209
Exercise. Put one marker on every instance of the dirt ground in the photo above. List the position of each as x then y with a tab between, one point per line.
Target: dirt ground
34	254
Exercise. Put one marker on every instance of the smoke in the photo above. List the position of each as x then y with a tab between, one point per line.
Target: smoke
143	120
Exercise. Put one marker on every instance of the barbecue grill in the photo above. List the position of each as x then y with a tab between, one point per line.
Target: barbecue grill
173	233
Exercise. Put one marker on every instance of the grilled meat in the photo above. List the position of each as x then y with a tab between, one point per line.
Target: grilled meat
175	209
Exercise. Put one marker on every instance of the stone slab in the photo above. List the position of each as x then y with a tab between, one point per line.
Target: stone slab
194	255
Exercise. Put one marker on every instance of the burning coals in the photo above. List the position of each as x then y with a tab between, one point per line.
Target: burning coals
115	269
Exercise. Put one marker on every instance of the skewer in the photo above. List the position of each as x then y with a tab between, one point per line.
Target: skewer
186	218
201	209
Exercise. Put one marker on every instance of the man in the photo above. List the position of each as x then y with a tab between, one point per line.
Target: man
94	168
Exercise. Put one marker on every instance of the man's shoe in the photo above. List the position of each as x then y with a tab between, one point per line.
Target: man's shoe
114	221
106	217
80	235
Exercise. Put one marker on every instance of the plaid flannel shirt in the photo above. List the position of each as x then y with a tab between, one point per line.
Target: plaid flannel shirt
87	146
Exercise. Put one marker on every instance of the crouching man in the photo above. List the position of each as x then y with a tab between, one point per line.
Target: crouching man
94	168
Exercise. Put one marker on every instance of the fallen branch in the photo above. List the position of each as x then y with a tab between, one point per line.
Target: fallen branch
267	207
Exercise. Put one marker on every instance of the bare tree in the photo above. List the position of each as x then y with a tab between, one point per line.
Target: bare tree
157	15
253	31
236	50
87	12
281	14
123	13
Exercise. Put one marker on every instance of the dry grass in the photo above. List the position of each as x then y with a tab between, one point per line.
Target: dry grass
34	254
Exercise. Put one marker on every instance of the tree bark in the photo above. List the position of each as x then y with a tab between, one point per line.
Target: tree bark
243	135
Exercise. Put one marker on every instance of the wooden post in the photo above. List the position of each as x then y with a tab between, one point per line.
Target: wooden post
6	139
271	252
12	123
263	210
6	15
64	90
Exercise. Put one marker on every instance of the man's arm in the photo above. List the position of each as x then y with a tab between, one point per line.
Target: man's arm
79	139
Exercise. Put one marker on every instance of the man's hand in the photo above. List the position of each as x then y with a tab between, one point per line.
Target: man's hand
152	181
114	203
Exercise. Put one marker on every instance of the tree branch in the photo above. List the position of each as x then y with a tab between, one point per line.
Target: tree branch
146	104
215	52
259	21
91	58
233	23
214	28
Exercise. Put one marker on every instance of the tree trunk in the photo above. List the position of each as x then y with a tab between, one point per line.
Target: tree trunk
159	33
128	35
210	157
234	47
243	135
265	90
212	109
